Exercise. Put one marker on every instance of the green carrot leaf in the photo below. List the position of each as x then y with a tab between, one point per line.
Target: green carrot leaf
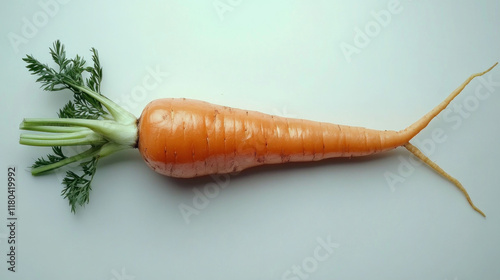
77	187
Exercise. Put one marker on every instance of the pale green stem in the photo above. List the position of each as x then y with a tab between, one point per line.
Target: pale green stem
53	129
119	114
62	139
123	134
43	169
95	151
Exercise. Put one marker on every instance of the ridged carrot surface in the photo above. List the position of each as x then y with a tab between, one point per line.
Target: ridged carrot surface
188	138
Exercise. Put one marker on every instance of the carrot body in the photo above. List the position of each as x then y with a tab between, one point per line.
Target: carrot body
188	138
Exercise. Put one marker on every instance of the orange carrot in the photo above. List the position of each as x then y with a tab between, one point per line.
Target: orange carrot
188	138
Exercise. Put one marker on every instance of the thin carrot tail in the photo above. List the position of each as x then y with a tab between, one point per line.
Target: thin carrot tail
407	134
415	151
410	132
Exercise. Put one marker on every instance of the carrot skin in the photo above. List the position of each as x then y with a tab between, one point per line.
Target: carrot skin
188	138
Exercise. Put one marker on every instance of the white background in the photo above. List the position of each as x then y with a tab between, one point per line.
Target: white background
283	58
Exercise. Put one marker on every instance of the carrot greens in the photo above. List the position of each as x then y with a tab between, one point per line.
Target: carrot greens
90	119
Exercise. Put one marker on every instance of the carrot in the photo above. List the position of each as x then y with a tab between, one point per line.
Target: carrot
188	138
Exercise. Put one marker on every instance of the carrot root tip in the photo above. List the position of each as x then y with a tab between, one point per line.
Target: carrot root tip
416	152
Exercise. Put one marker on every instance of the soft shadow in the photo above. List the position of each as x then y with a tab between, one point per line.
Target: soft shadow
186	184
